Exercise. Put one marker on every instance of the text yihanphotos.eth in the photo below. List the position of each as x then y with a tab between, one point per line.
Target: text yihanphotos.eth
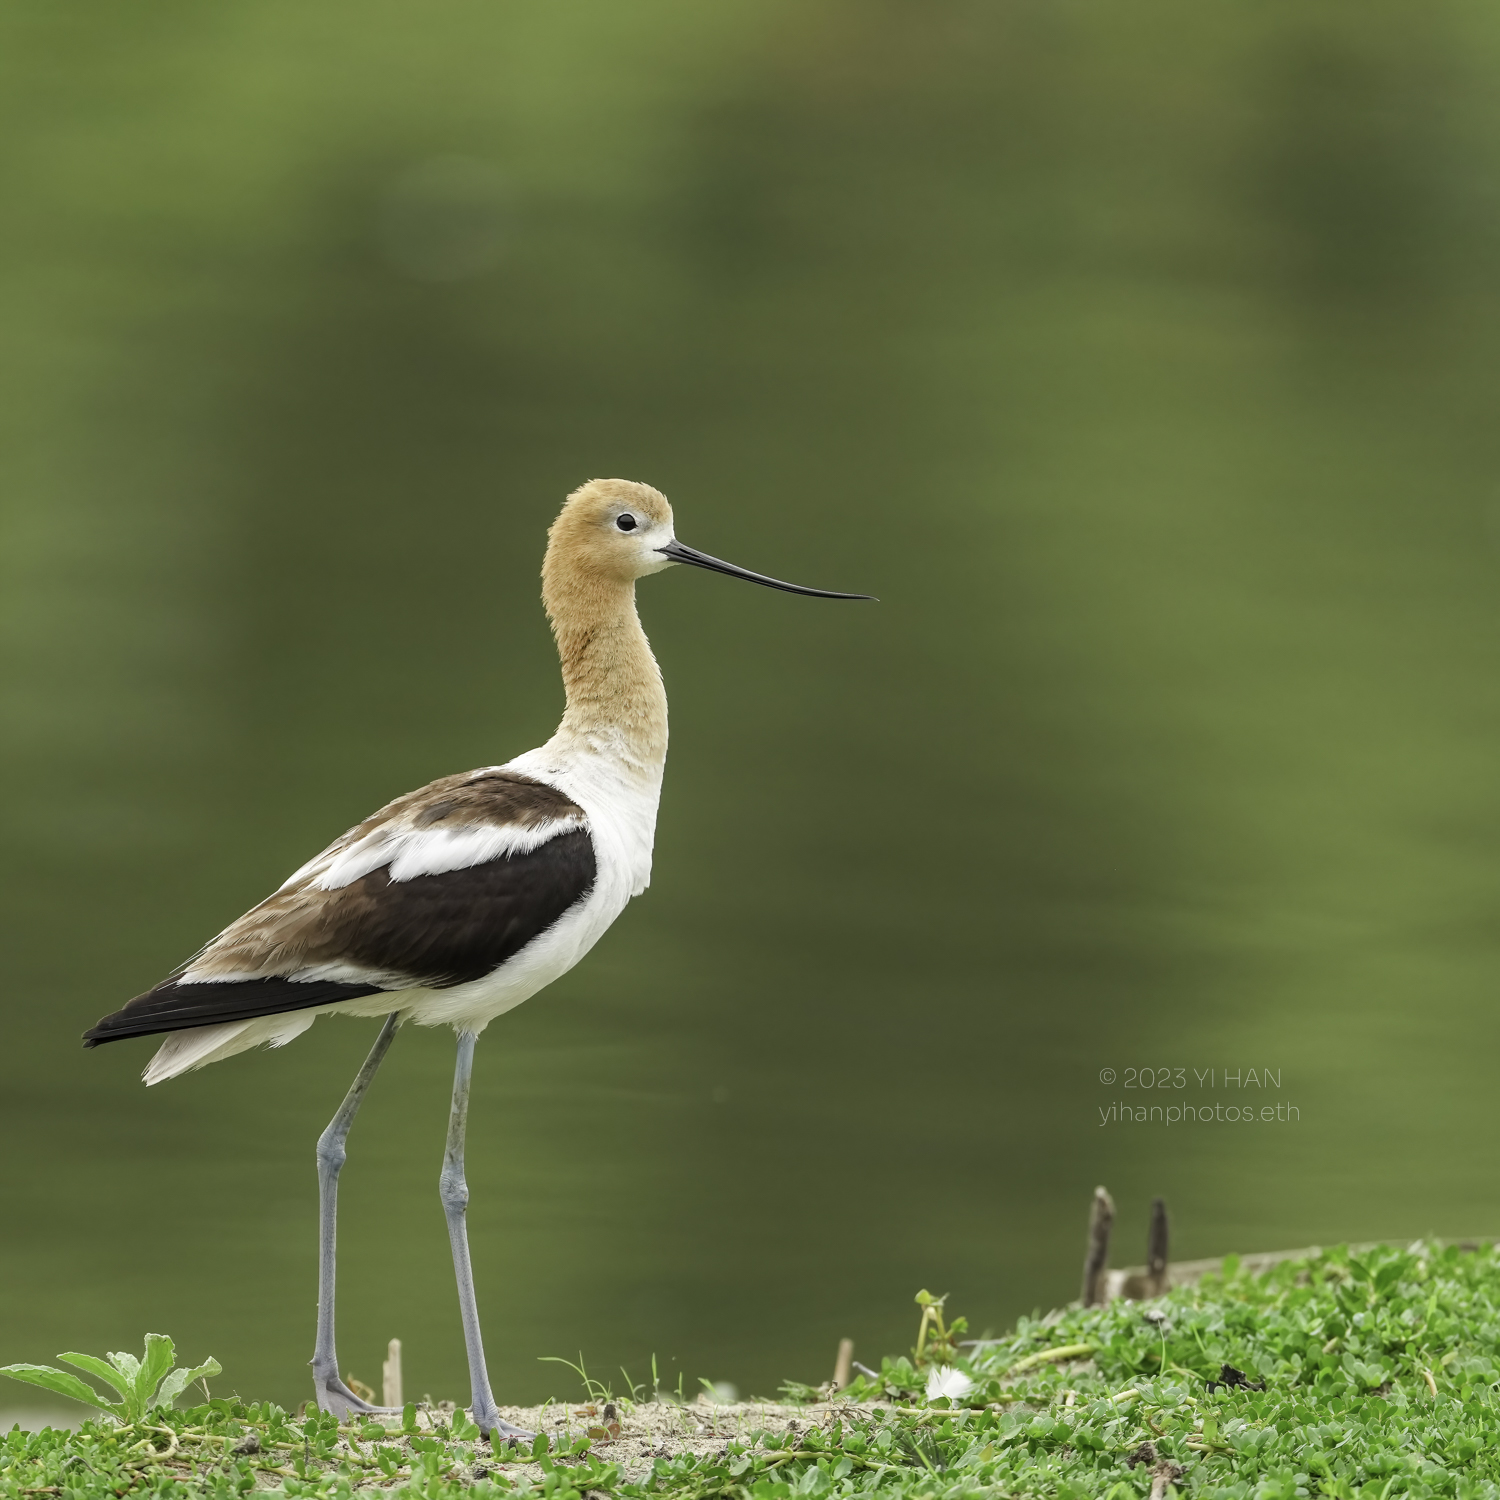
1129	1112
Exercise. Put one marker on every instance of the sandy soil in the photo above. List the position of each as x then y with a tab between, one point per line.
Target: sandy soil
661	1430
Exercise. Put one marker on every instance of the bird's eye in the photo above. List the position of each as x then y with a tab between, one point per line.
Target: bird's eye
627	522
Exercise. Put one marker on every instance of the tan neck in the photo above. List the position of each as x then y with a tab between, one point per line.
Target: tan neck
616	702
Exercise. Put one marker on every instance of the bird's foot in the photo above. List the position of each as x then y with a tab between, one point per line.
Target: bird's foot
502	1434
333	1395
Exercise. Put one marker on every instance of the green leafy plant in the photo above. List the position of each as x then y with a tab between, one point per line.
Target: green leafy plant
937	1342
142	1383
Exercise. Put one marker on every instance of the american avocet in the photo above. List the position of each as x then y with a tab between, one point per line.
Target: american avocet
454	903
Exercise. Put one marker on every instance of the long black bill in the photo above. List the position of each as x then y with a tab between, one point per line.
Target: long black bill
694	558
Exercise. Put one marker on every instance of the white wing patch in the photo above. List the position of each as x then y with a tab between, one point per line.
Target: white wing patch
434	851
444	827
339	972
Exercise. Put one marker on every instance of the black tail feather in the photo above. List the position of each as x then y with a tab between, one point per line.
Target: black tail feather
175	1006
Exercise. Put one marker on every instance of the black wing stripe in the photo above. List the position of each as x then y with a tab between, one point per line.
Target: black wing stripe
463	924
435	930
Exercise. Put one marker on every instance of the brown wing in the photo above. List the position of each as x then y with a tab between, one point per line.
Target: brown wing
308	945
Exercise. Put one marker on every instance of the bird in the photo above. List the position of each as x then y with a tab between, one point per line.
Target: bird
457	902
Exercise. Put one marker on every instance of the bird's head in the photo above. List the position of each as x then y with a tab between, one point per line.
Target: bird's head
608	531
613	531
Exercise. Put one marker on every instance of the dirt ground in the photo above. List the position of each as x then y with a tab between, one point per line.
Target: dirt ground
661	1430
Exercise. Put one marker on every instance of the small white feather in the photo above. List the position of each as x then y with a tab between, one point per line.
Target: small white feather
944	1380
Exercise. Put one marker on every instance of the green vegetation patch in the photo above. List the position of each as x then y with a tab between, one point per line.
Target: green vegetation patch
1360	1377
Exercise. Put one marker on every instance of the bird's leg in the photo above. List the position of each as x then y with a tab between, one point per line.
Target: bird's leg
332	1394
455	1193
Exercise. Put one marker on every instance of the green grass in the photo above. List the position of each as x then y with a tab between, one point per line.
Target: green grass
1378	1370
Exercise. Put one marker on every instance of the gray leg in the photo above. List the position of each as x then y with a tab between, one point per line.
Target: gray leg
455	1192
332	1394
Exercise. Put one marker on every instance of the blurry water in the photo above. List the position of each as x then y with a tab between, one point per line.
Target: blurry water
1142	361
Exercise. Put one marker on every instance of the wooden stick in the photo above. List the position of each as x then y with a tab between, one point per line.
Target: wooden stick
1156	1249
1096	1262
390	1374
843	1365
1164	1476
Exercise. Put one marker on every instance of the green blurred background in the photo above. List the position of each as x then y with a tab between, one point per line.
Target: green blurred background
1143	359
